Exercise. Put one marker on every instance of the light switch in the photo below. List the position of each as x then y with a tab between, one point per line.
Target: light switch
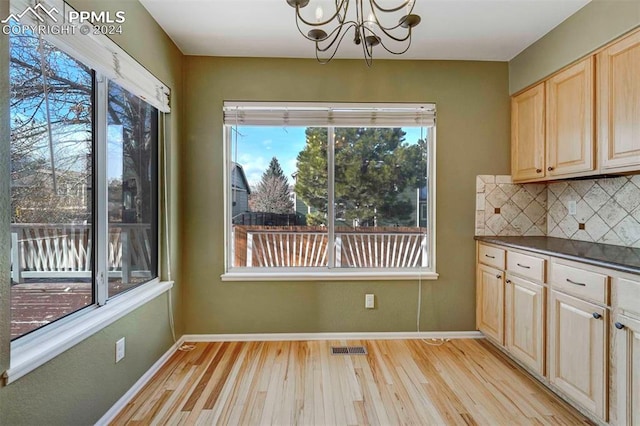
369	301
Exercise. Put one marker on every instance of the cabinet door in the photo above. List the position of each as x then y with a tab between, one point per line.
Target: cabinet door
619	105
524	317
577	363
570	106
490	302
627	377
527	134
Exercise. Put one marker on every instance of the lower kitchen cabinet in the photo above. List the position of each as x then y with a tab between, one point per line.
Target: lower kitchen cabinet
490	302
524	317
578	351
627	376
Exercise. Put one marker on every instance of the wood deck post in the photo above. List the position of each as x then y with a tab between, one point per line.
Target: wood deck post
126	255
249	249
338	259
16	264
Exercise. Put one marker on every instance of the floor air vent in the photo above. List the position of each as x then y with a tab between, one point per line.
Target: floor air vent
348	350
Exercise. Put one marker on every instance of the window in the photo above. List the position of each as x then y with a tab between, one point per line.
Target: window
343	190
132	141
52	215
83	185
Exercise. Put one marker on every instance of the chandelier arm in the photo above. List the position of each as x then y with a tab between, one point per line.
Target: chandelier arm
328	36
340	18
339	29
377	23
368	53
399	40
387	32
394	9
393	52
319	24
302	33
326	61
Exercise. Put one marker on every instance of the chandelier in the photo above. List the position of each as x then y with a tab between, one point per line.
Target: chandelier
327	34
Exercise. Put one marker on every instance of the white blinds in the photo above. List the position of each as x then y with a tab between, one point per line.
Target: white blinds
94	50
335	114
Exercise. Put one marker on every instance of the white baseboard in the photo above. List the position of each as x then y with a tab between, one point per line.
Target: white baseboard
137	386
263	337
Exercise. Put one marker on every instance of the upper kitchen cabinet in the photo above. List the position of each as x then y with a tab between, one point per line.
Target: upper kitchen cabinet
527	134
569	120
552	133
619	105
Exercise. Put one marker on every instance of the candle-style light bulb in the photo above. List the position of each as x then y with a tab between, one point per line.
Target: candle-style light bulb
371	20
319	13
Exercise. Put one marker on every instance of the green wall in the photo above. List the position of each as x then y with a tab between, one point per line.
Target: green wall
80	385
473	138
591	27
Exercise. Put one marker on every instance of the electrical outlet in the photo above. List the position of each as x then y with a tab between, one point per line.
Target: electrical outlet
572	207
369	301
120	350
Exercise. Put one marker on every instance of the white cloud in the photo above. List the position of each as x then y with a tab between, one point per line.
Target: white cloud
253	167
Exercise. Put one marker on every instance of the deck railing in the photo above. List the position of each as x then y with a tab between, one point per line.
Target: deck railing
49	251
306	246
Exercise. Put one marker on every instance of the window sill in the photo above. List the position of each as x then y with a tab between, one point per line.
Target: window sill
29	353
328	276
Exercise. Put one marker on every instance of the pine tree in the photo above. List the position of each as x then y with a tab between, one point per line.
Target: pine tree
376	174
274	169
272	195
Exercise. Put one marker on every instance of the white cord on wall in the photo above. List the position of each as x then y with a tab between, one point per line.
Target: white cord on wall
166	205
431	342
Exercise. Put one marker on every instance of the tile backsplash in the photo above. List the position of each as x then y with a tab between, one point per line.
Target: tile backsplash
607	210
508	209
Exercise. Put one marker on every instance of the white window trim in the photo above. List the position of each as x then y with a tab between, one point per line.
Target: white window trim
33	350
330	274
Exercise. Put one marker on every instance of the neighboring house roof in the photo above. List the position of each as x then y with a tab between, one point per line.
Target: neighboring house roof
240	172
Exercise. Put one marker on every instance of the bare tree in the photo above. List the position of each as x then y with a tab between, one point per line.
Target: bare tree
51	135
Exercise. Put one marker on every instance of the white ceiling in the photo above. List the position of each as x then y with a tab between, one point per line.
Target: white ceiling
450	29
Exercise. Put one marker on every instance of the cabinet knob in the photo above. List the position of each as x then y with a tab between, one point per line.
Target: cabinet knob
498	276
619	325
538	170
508	281
550	168
597	315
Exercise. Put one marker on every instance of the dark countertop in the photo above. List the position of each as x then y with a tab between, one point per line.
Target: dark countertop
625	259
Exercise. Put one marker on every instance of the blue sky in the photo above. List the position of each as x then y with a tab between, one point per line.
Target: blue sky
258	144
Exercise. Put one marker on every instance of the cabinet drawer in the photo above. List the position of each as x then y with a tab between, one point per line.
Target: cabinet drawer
579	282
525	266
491	256
628	295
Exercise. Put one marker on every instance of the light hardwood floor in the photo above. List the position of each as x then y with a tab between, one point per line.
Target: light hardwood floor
462	382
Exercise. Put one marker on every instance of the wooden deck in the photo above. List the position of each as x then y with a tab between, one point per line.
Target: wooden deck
36	304
463	382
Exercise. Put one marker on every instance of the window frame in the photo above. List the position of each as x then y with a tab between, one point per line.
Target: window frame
329	273
31	350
